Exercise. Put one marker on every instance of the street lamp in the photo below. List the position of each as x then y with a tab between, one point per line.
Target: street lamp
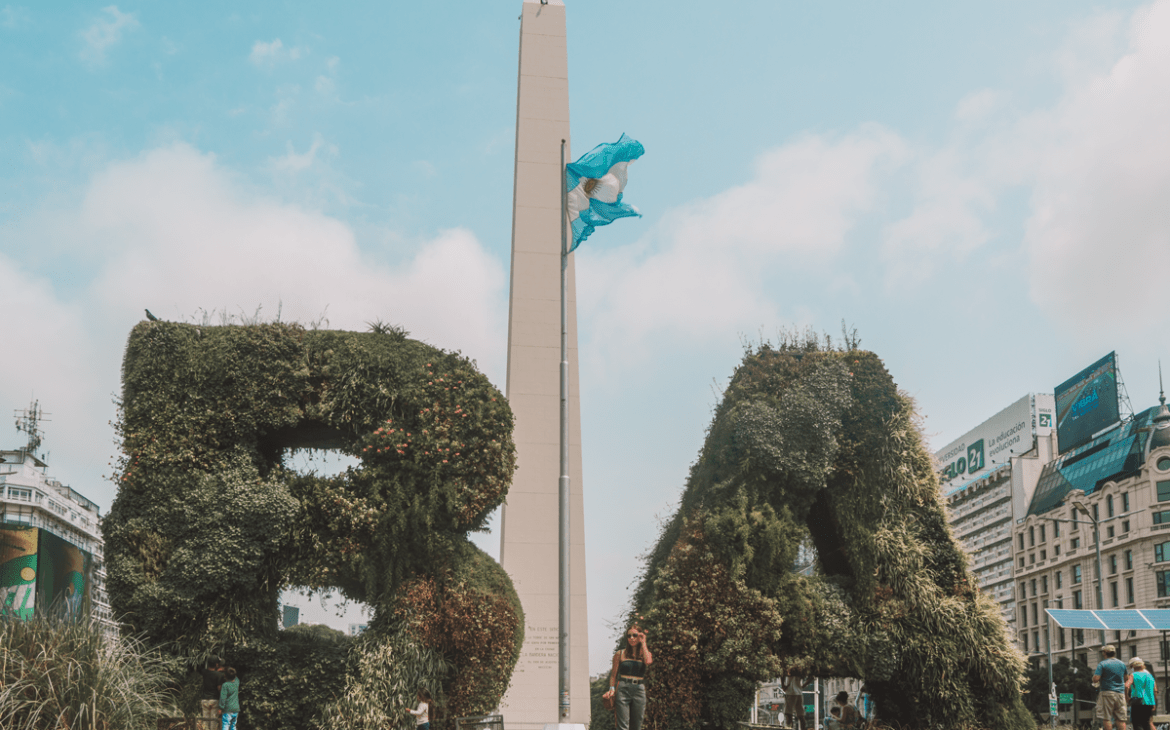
1078	505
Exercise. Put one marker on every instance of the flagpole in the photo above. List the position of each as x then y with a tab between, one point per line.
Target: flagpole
564	480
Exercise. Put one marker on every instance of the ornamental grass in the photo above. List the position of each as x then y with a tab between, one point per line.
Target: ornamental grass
58	674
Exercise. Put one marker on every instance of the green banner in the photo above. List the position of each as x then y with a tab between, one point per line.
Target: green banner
1066	698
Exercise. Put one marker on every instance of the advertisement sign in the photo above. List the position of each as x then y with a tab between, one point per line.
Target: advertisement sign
37	568
1087	403
18	571
1008	433
63	575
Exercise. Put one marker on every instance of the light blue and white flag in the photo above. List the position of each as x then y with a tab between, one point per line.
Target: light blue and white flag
595	184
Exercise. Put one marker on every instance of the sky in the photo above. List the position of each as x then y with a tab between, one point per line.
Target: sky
981	190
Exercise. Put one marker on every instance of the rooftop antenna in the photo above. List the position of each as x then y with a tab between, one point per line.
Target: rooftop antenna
29	420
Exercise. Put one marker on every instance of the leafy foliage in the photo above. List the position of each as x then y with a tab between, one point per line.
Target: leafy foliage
59	673
209	524
816	442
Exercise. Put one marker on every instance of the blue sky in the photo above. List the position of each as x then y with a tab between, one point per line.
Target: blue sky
980	189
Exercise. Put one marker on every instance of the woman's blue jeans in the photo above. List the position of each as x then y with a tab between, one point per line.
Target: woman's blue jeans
630	705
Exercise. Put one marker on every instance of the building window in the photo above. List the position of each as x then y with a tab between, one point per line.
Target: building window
1031	558
1060	639
1161	518
1075	543
1056	549
1164	491
1096	512
24	495
1132	651
1109	505
1162	580
1165	650
1113	564
1124	526
1042	538
1035	614
1021	561
1025	634
1044	585
1033	588
1125	502
1076	519
1162	552
1109	531
1036	640
1021	536
1113	593
1031	536
1024	616
1077	600
1164	465
1056	529
1076	574
1058	581
1129	560
1023	590
1043	554
1129	590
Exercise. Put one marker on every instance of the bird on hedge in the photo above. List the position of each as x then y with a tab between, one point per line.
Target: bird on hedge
151	317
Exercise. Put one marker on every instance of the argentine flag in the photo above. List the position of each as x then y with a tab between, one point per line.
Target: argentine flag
595	184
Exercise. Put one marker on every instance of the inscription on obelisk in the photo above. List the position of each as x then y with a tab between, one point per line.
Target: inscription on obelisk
529	542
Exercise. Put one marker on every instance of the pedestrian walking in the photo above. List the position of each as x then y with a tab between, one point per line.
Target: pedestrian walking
626	680
1141	694
1110	675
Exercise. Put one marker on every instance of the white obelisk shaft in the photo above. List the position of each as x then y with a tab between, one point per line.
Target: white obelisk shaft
530	544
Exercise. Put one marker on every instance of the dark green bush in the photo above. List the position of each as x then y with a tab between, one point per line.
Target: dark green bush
210	525
812	444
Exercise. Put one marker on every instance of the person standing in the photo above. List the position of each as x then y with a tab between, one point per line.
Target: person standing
794	701
229	700
1142	693
1110	673
422	714
626	680
213	678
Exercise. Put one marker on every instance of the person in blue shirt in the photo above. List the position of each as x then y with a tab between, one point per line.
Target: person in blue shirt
1110	673
1142	693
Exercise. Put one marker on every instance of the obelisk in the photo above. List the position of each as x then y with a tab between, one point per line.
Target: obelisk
529	542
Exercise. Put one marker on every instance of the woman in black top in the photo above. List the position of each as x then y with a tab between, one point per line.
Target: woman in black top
626	680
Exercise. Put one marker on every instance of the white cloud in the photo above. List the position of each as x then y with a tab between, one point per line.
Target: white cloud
946	221
104	33
713	266
272	52
176	232
1099	231
14	16
293	162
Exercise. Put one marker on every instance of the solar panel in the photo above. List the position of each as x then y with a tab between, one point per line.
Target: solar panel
1159	618
1073	619
1123	620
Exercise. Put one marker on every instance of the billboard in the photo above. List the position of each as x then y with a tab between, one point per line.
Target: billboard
1008	433
1087	403
39	569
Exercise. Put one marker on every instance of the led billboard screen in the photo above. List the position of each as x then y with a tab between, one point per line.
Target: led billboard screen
1087	403
40	570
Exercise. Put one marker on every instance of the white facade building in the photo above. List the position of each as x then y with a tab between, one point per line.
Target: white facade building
988	477
31	498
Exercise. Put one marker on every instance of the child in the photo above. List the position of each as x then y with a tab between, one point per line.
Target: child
229	700
422	717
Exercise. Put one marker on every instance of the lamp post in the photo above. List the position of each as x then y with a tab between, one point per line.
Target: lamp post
1097	544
